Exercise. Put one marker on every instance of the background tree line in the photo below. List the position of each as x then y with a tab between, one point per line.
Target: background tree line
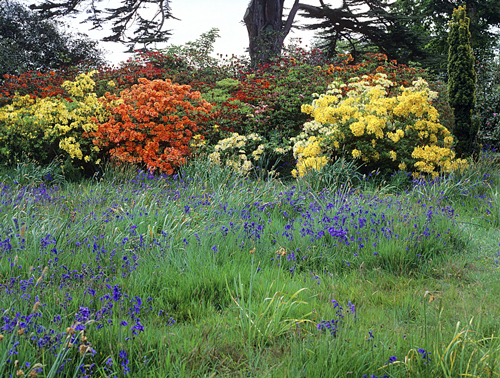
406	30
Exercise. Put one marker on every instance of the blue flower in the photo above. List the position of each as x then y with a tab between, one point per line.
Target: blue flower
425	355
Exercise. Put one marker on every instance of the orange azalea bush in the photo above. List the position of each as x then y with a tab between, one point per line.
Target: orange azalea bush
151	124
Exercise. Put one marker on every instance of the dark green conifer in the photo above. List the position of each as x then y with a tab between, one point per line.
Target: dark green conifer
461	82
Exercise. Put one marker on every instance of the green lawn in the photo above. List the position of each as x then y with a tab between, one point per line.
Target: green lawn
212	274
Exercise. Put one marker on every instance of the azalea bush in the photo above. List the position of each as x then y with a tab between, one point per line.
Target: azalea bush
151	124
346	68
34	84
43	128
150	65
360	121
244	153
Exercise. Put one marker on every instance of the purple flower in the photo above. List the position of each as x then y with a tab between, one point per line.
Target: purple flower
116	293
371	336
425	355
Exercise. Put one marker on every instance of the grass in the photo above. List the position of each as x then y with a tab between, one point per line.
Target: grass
210	274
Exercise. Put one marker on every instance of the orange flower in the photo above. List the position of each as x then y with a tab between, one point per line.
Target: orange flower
146	118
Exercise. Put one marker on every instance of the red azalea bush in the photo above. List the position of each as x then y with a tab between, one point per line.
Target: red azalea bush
35	84
151	124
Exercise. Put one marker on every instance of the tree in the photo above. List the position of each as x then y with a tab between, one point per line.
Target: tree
461	81
266	27
365	25
431	18
362	24
130	12
406	30
29	43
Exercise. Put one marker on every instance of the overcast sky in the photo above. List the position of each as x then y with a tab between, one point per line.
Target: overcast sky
197	17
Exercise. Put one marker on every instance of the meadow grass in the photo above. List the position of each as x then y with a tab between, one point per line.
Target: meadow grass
208	273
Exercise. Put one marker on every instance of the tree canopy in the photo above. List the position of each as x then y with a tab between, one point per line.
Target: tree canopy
403	29
363	24
432	18
145	18
28	42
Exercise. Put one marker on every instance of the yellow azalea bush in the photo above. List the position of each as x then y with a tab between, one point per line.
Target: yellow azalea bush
360	121
309	156
46	127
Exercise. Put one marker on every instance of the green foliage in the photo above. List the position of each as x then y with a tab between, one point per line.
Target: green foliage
341	175
264	321
431	20
461	82
30	43
223	91
30	173
196	54
487	109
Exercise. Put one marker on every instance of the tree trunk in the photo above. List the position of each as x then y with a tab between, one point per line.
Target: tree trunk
263	19
266	28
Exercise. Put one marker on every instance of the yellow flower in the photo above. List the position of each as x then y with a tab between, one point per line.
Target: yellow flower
366	114
357	128
305	165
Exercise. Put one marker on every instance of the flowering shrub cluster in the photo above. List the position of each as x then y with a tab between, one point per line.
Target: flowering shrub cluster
266	99
361	121
151	124
34	84
233	152
45	127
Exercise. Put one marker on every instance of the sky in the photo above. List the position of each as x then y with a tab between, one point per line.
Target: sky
197	17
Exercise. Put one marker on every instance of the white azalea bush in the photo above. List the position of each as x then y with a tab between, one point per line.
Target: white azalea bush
243	152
